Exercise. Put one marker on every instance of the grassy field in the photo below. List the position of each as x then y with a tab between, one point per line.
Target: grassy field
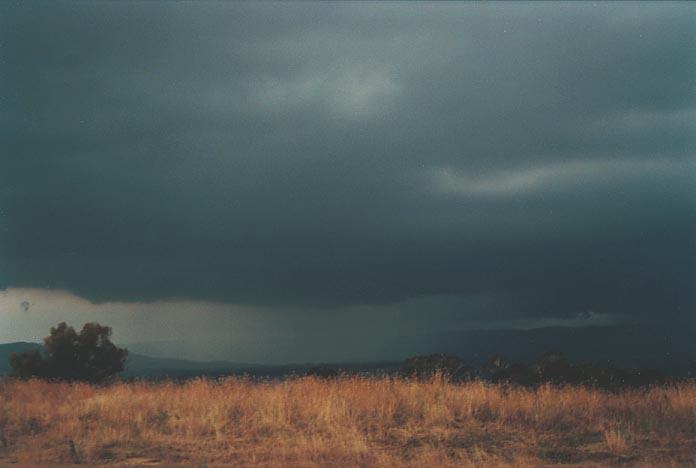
343	422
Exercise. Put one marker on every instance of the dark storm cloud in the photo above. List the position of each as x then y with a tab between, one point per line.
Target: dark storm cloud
313	155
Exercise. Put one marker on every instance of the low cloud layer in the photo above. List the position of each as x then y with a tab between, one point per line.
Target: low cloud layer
314	159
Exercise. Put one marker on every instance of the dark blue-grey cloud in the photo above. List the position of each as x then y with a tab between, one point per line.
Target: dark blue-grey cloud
314	156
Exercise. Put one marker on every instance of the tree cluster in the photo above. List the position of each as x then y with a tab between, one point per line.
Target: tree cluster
88	356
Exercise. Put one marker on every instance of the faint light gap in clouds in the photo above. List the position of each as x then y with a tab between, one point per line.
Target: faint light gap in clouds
354	91
555	176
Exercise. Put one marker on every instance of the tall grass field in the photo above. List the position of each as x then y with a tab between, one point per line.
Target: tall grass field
349	421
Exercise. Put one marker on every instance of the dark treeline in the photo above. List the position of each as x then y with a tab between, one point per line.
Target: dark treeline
550	368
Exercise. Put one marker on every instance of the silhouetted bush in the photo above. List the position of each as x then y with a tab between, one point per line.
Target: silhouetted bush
27	364
554	368
86	356
424	367
323	372
500	370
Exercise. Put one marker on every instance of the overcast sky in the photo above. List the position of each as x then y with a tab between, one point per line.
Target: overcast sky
244	170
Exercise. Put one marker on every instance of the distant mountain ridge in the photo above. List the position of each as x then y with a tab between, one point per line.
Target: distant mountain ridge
625	345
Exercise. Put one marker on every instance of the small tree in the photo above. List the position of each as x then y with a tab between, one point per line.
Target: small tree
86	356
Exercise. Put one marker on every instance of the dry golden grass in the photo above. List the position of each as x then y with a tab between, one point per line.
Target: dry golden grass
344	422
